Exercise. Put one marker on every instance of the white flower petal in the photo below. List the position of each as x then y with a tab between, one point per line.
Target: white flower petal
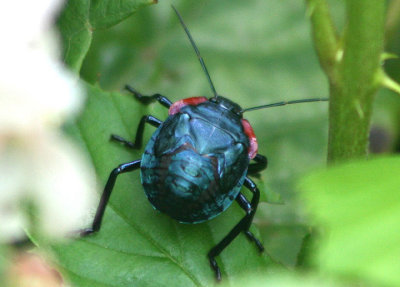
37	164
64	187
23	22
40	92
13	166
50	174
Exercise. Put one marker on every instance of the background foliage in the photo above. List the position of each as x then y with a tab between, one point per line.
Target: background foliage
257	52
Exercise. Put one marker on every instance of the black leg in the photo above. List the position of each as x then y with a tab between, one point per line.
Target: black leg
246	205
126	167
149	99
243	225
139	132
260	164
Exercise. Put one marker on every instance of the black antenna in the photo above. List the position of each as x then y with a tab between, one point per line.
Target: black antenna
284	103
203	65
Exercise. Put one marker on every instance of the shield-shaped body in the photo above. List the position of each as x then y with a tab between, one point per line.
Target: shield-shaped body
195	163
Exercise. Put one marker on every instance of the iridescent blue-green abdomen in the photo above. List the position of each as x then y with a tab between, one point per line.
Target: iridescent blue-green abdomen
195	163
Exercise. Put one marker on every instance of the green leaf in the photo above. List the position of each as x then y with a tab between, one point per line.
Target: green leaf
138	246
267	194
257	52
80	18
254	57
358	206
287	279
283	241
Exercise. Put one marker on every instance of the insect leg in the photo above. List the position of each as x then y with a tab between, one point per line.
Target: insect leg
246	205
260	164
149	99
139	132
243	225
126	167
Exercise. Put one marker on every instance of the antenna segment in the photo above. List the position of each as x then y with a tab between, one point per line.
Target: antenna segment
284	103
203	65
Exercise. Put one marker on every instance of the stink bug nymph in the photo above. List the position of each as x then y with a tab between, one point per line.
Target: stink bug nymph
197	161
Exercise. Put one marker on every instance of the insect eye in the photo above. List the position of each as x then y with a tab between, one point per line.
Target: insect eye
237	111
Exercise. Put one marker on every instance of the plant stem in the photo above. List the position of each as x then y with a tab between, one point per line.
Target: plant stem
352	94
324	35
351	71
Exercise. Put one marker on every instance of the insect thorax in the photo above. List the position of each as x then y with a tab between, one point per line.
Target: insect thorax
195	163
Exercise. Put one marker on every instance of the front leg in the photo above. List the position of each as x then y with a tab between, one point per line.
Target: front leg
139	132
149	99
260	164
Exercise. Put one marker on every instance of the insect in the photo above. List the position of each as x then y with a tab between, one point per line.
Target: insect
197	161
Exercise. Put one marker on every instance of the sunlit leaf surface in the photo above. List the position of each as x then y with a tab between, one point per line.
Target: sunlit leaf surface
358	206
257	52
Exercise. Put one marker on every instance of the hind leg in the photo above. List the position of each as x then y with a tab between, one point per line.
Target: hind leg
243	225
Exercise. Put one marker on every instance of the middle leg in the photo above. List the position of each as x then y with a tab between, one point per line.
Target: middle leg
123	168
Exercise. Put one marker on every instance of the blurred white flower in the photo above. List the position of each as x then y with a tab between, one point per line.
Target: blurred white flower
37	163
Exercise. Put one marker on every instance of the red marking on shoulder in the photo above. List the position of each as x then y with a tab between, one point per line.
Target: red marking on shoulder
176	107
248	130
